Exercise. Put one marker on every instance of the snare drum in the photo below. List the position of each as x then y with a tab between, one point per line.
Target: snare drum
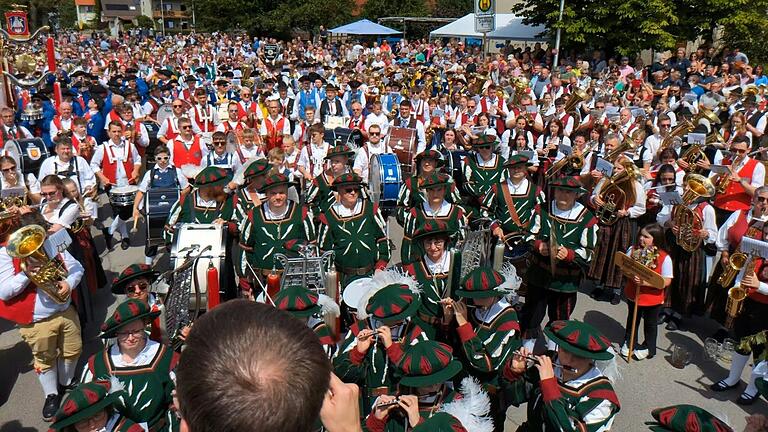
123	196
384	179
353	138
29	154
194	238
157	207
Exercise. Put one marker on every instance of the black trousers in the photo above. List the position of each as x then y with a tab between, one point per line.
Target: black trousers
650	317
751	320
540	302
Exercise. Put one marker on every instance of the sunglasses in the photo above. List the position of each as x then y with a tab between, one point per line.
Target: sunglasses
346	191
140	285
162	158
374	133
219	144
9	170
186	127
178	106
762	199
48	194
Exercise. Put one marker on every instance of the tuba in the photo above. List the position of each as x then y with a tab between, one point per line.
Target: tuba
617	191
685	127
687	221
26	244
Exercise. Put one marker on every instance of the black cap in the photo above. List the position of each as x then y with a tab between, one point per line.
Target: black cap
222	82
164	72
201	70
190	78
355	84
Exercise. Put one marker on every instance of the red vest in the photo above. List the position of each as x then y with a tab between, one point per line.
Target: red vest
648	296
359	123
170	132
739	229
499	122
20	309
735	197
274	133
110	168
759	268
204	126
182	156
76	142
228	127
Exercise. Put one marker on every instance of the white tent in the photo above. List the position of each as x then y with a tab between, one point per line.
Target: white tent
508	27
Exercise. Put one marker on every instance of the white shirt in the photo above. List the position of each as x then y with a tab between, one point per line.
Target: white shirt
13	284
316	160
286	130
64	218
708	223
118	153
66	124
722	234
172	124
85	176
345	212
145	181
638	207
438	267
362	162
381	120
445	208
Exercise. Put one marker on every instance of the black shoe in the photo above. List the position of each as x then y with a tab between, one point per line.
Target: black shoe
125	243
663	317
746	399
672	325
50	407
107	238
721	386
615	299
597	293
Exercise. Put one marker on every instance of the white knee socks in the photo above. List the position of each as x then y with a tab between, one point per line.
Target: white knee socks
48	381
737	366
66	371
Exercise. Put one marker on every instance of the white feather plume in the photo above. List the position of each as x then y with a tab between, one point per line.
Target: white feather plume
473	407
382	279
239	177
328	307
511	282
609	368
115	385
190	170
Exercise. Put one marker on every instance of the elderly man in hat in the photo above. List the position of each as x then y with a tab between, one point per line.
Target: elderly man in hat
94	406
353	228
564	246
144	367
571	391
272	228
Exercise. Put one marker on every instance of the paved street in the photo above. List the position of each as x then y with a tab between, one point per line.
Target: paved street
645	385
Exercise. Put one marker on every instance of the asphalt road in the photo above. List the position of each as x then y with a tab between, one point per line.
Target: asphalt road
644	385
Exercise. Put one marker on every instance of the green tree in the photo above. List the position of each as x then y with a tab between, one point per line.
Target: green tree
67	15
626	26
305	15
375	9
746	27
215	15
143	21
453	8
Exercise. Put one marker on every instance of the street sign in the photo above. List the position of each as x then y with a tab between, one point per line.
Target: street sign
485	16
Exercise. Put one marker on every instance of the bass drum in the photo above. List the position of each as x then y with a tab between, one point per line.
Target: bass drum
152	130
384	180
157	208
191	239
29	154
454	166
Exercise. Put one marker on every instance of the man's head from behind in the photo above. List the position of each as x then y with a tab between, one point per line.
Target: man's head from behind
249	367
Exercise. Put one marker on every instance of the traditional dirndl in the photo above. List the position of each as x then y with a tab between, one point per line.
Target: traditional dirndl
611	238
687	289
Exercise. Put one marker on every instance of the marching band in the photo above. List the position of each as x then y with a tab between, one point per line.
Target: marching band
515	194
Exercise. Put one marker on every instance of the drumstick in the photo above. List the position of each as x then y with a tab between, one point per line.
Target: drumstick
135	225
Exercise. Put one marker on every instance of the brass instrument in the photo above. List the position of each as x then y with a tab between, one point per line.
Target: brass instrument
575	161
26	243
723	181
554	245
577	96
628	145
687	221
691	156
520	84
737	294
641	263
735	263
616	192
683	128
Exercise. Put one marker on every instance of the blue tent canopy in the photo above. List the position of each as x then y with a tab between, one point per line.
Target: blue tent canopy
364	27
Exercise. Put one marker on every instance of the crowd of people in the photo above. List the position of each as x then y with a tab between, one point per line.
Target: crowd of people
520	187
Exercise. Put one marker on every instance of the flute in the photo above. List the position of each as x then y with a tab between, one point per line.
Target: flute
395	401
536	361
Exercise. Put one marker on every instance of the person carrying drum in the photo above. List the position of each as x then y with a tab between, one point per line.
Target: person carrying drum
273	228
374	146
483	168
320	195
406	120
436	207
312	156
162	176
353	228
116	163
513	206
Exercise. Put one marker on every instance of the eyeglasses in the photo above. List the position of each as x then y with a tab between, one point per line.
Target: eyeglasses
48	194
140	285
9	170
374	133
219	143
434	242
350	190
186	127
739	151
665	125
162	158
178	106
762	199
127	334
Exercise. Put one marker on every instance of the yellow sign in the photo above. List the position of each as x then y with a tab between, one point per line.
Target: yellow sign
484	5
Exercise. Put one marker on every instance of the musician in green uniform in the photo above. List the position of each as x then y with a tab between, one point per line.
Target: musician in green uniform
143	366
206	204
567	233
313	308
427	367
570	393
437	272
434	206
93	407
320	195
374	345
409	196
684	418
489	334
248	197
272	227
483	168
354	229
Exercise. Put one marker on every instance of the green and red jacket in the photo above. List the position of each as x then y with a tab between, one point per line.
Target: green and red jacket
527	204
148	387
409	196
320	196
186	210
433	289
578	234
416	217
480	179
400	424
261	238
586	404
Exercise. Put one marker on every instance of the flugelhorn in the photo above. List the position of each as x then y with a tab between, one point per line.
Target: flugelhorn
687	221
